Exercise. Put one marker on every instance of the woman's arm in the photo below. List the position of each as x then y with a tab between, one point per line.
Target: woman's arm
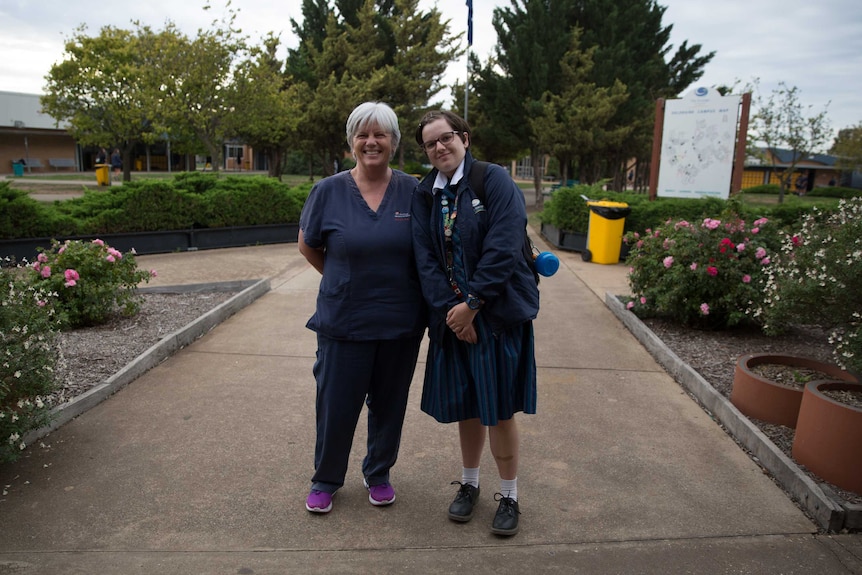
313	255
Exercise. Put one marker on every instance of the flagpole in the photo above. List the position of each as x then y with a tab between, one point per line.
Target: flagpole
467	86
469	44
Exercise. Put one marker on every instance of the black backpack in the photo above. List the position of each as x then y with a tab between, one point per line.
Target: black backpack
477	182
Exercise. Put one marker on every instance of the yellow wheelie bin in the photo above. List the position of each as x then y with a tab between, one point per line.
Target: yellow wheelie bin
103	176
605	233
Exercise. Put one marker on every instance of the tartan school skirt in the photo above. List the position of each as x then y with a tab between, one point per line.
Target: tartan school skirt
491	380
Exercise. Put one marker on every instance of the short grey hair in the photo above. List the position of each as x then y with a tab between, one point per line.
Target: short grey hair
373	113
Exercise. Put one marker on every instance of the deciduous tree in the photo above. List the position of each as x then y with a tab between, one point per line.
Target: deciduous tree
783	122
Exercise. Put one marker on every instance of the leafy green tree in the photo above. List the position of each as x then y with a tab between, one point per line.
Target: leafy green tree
267	105
782	121
848	148
98	89
423	49
492	101
194	86
633	47
311	32
387	50
576	124
344	66
532	38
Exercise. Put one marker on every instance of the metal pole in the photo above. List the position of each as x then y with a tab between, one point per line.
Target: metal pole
467	86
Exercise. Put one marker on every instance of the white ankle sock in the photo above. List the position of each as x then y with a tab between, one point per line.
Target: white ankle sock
509	488
470	476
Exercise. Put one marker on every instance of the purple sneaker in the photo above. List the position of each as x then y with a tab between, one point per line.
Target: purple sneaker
380	495
319	501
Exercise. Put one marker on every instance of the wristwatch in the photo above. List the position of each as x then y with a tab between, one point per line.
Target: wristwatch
474	303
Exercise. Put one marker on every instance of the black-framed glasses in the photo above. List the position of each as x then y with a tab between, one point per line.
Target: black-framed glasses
445	139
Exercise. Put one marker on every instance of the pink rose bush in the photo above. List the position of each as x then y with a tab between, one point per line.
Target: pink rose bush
701	274
92	280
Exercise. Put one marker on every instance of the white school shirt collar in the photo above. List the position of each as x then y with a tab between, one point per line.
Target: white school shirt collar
440	181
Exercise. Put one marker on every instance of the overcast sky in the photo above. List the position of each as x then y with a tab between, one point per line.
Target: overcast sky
815	46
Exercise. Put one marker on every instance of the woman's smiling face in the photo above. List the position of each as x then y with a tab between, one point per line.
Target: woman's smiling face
372	146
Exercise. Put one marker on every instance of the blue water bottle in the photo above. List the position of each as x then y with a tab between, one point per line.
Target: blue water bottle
546	263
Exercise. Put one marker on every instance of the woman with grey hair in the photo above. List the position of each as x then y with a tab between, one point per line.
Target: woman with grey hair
370	316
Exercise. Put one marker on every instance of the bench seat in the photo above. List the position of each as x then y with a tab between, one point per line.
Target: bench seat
57	163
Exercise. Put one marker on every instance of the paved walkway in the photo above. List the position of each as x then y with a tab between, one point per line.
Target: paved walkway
202	464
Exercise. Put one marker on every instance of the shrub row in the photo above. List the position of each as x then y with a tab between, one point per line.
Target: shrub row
190	200
566	209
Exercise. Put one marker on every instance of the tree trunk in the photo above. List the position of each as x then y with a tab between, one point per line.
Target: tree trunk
537	179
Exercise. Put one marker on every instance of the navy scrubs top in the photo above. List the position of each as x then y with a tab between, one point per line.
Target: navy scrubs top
369	288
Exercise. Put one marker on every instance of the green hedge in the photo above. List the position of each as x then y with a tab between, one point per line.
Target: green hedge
835	192
190	200
567	210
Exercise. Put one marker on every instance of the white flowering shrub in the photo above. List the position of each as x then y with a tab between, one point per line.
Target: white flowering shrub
816	279
28	329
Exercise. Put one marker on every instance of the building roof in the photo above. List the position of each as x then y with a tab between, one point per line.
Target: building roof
19	110
784	158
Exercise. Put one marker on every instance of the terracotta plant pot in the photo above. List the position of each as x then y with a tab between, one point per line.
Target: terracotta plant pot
770	401
828	438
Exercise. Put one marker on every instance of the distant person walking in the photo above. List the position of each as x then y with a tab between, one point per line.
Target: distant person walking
801	185
116	163
101	156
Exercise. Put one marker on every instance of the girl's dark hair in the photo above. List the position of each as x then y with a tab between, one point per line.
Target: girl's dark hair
458	123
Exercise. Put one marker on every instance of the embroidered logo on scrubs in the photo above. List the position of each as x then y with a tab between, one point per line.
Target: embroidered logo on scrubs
478	206
402	215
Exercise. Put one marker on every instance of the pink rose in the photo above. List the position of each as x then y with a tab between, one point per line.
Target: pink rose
746	279
668	261
630	305
45	271
72	278
704	309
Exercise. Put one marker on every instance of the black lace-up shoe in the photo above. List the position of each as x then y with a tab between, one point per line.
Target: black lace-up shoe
506	519
462	508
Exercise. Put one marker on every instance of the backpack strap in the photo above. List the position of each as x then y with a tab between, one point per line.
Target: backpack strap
477	178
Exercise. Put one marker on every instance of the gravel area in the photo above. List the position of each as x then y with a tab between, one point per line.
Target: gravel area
713	355
90	356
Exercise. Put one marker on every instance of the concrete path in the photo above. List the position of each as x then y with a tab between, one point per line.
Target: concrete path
202	464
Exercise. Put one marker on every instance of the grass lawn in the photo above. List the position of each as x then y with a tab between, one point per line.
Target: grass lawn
772	200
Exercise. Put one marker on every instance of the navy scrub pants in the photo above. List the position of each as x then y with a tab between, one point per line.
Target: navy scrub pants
348	373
